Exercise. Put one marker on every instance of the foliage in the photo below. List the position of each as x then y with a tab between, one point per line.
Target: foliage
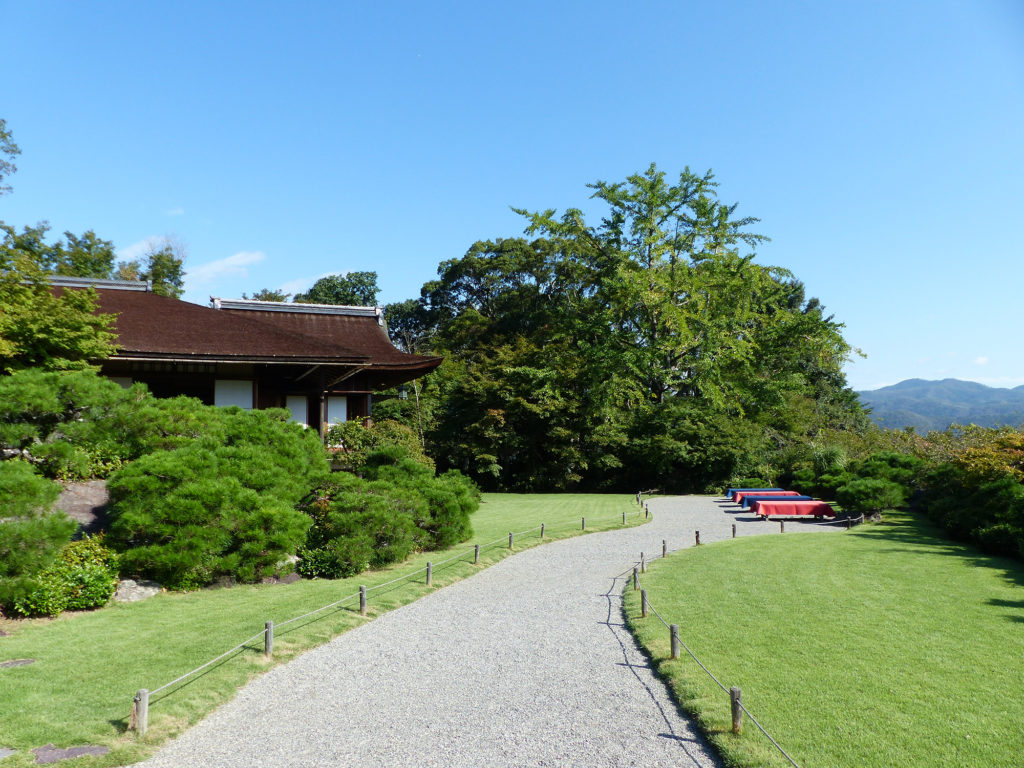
76	424
351	443
977	491
11	150
870	495
268	294
357	289
221	505
84	576
396	508
39	328
632	351
30	534
162	264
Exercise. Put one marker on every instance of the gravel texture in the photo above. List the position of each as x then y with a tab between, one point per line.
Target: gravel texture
527	663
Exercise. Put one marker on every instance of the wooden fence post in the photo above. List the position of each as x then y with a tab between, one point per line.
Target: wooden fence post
268	639
583	524
643	564
138	719
510	540
643	603
542	530
476	554
623	517
647	512
664	548
734	530
696	535
782	526
735	697
430	573
362	600
636	579
847	523
673	632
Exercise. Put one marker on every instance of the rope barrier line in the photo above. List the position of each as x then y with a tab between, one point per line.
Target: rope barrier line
317	610
211	661
345	599
650	607
768	735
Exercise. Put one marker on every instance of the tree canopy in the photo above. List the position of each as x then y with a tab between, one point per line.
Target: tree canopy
646	347
357	289
41	328
8	151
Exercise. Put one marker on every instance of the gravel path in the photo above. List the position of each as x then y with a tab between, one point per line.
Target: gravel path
527	663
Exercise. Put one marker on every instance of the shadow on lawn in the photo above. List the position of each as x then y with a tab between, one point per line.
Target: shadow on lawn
1016	604
921	537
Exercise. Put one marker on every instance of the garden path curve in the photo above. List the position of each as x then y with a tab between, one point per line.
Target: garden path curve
527	663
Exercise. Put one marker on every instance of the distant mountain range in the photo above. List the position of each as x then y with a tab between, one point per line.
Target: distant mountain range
928	405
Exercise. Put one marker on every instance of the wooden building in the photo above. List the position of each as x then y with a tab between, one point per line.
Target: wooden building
321	362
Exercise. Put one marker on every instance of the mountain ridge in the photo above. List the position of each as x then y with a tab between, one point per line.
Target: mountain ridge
928	405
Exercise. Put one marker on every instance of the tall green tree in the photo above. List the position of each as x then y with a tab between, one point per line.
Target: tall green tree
357	289
163	264
41	328
8	151
647	349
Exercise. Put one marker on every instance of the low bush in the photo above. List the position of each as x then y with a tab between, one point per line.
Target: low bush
868	495
221	506
397	508
990	514
31	535
352	443
84	576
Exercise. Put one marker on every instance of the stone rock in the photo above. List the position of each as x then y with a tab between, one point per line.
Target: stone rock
130	591
7	752
86	502
51	754
16	663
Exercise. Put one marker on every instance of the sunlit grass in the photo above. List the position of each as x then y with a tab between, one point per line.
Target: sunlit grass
89	665
883	646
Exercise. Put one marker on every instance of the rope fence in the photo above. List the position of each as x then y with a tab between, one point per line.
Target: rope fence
675	642
138	718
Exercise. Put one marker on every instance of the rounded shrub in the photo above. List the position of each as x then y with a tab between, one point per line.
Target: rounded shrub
222	506
869	496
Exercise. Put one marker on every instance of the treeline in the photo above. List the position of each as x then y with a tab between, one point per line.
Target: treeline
648	350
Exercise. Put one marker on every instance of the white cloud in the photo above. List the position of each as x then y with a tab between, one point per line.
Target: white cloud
232	266
139	249
981	360
179	211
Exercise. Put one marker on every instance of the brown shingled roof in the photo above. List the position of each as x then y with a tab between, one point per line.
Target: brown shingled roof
360	329
153	326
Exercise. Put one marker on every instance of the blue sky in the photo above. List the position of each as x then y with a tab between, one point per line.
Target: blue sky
880	143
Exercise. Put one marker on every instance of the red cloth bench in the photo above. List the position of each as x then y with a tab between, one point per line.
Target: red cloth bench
738	497
792	508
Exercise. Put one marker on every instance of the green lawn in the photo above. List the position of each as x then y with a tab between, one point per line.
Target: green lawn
883	646
88	665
